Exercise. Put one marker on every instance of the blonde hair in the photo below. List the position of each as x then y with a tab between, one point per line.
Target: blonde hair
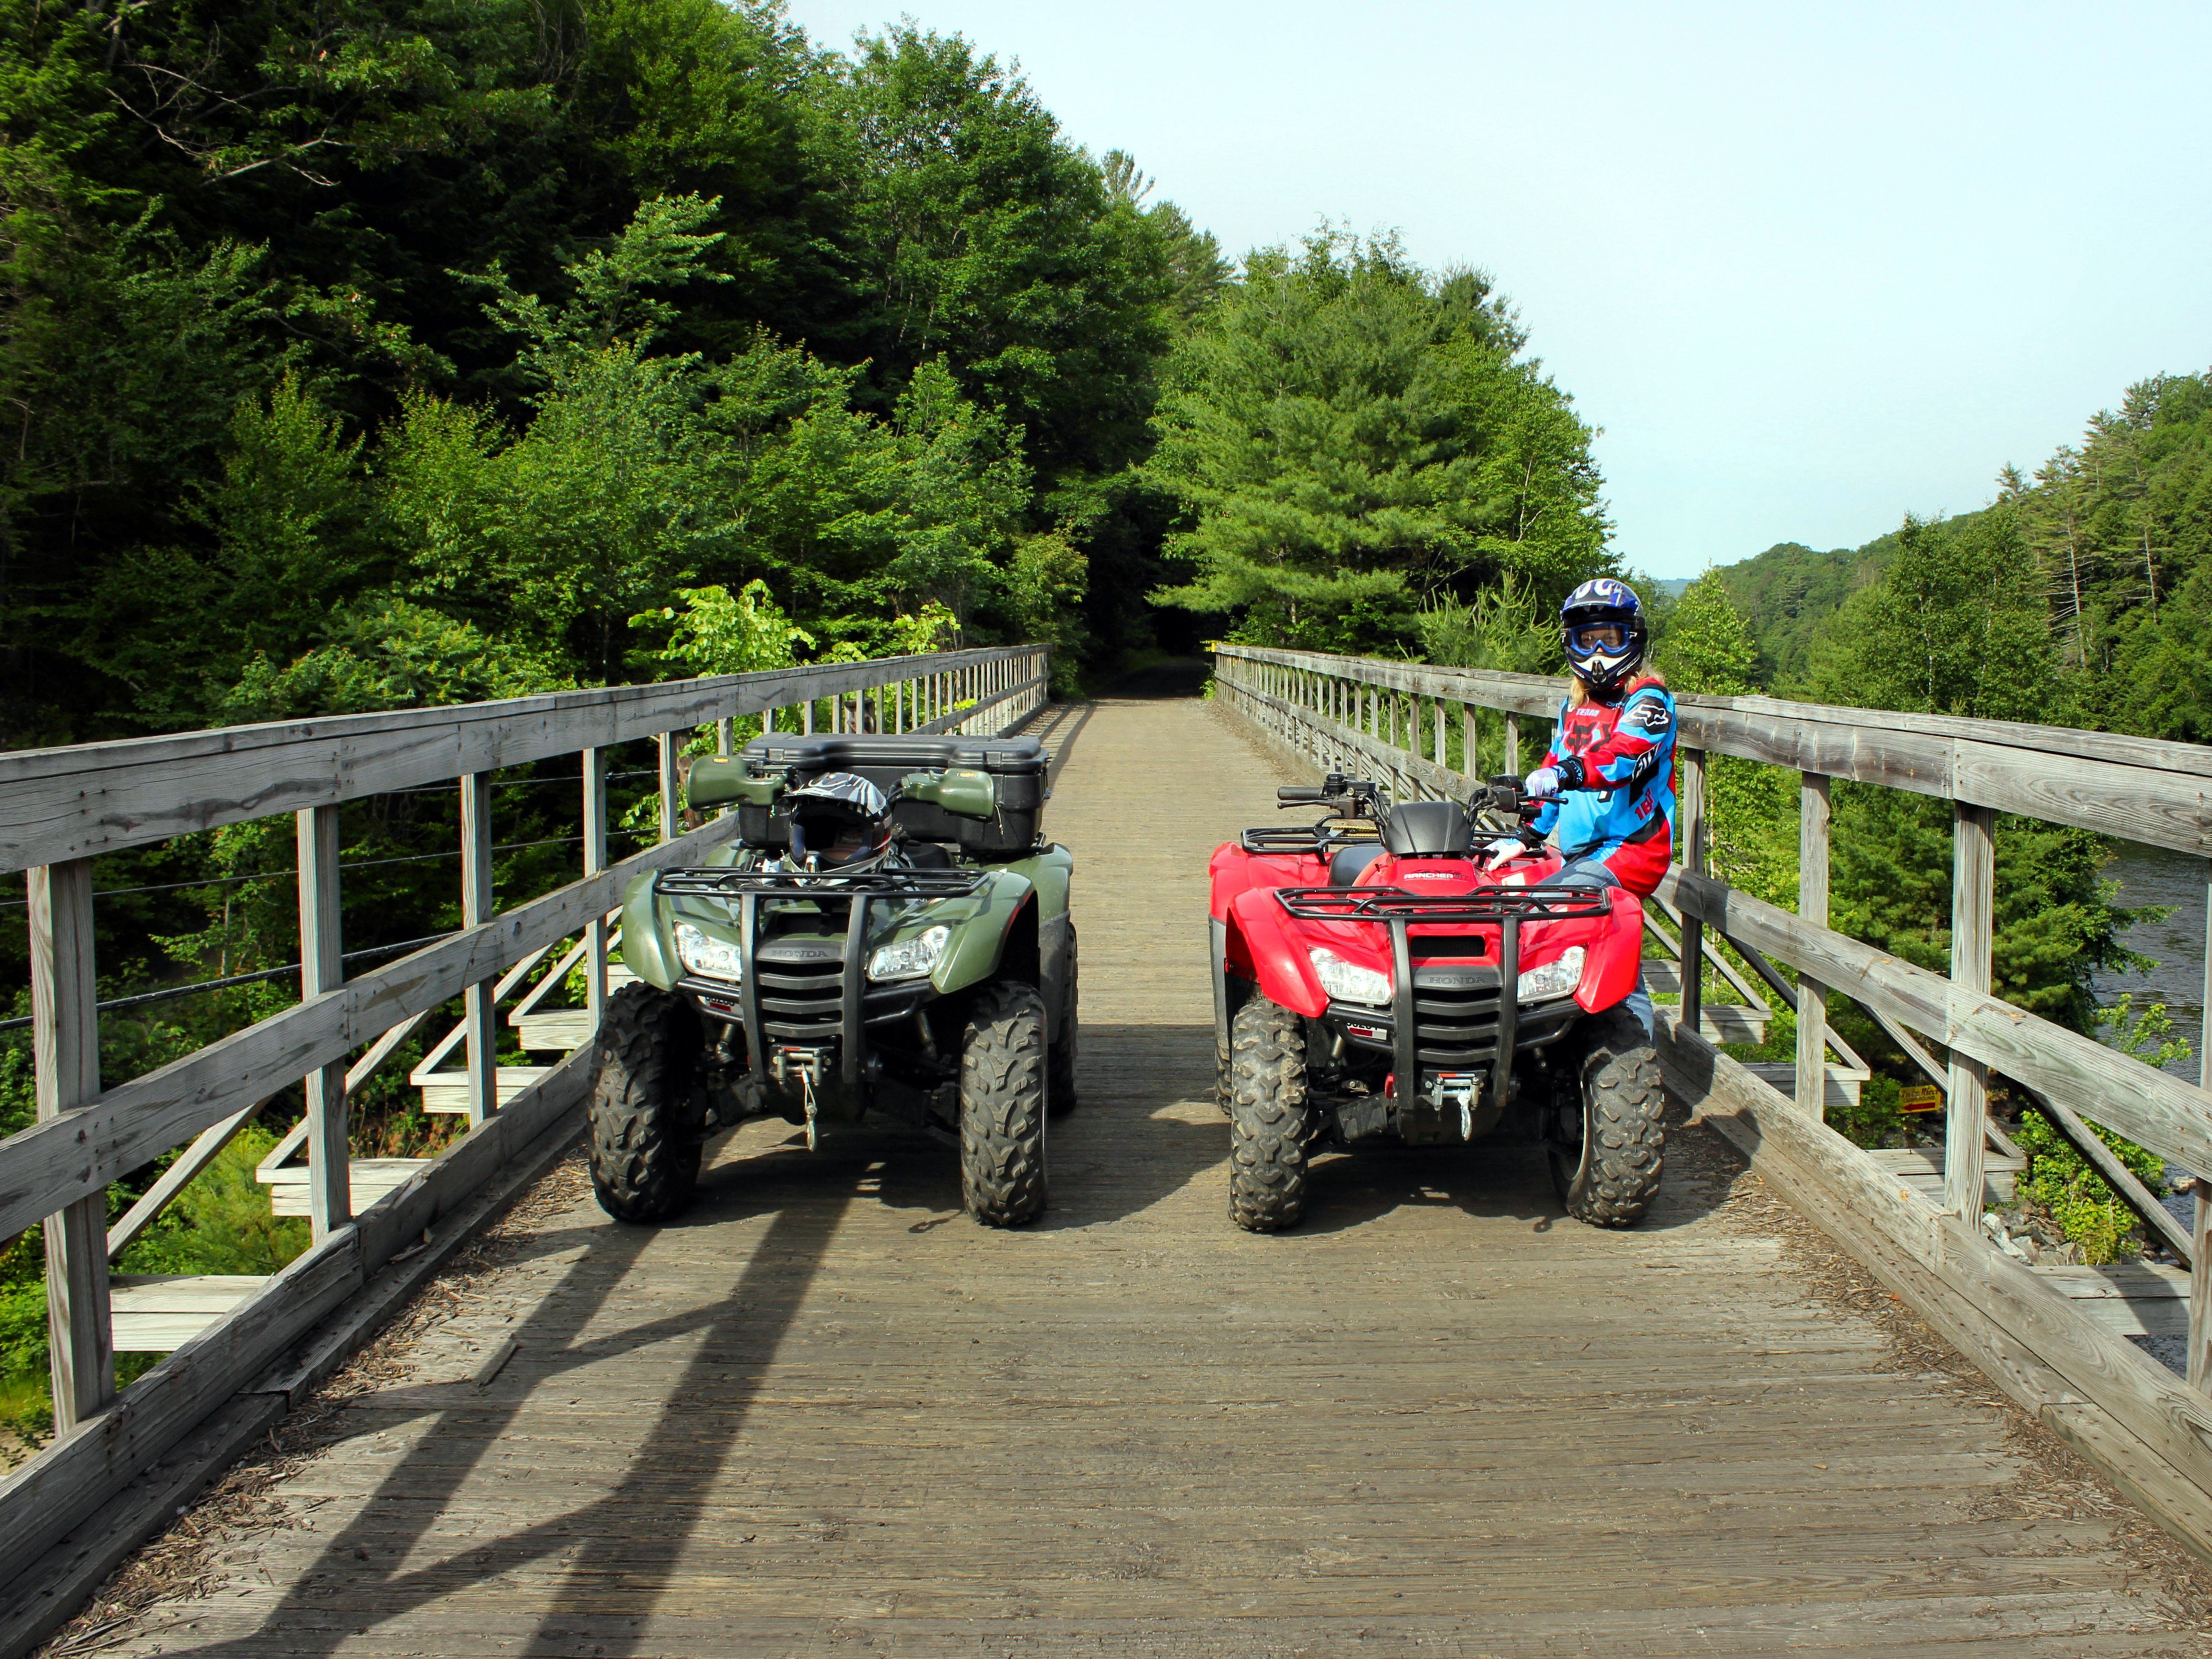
1578	687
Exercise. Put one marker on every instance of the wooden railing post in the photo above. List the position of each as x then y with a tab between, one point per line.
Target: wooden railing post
322	968
595	860
1973	886
1468	763
666	749
1812	907
1693	860
1513	744
2200	1260
65	1054
479	1009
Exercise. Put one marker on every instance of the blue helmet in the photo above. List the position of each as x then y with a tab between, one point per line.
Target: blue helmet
1603	627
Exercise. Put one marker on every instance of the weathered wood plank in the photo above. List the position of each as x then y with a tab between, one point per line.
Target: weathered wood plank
1973	920
2025	1335
2139	789
65	1060
74	1155
42	1500
1813	815
322	968
1537	694
101	797
2172	1118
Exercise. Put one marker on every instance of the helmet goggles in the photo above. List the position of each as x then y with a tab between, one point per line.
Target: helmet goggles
1602	627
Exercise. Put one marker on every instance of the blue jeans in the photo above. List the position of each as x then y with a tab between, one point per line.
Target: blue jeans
1592	872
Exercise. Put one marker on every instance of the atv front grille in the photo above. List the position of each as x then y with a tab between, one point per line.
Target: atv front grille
1442	1018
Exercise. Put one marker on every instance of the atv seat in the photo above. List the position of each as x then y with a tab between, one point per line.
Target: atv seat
1350	863
1428	830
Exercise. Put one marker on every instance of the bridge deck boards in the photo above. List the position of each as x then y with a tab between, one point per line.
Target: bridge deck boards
826	1414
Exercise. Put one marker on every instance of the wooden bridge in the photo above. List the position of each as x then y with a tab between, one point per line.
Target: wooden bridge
824	1413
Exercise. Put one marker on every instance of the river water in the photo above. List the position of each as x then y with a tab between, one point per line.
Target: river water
2152	876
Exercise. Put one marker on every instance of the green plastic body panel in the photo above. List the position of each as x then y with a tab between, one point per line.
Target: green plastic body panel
648	946
718	781
980	922
957	789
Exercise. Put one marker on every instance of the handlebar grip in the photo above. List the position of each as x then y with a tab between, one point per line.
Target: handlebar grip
1301	794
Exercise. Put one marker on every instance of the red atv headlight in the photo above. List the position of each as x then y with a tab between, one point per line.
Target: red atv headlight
1557	978
1347	981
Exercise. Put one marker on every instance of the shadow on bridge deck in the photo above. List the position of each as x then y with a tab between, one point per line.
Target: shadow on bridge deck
826	1414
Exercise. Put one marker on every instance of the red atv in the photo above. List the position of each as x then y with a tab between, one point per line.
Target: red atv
1357	968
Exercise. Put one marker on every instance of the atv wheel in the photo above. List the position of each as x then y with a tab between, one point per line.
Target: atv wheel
1606	1166
645	1142
1062	1088
1270	1121
1002	1107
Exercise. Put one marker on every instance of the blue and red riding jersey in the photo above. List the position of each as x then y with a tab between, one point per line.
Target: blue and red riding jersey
1616	765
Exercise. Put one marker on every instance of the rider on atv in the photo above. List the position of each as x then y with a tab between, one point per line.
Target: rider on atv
1608	780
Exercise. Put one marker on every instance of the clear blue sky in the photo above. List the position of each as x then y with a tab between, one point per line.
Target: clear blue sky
1807	267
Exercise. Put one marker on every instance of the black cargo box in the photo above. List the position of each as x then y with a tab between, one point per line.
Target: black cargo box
1017	766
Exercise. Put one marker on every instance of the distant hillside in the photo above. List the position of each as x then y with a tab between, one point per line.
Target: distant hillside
1786	592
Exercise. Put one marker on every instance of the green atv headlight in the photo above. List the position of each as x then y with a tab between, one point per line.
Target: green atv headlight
909	958
702	953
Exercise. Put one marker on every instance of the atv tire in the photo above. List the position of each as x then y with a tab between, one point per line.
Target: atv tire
1221	1086
1002	1106
644	1112
1610	1178
1062	1084
1270	1123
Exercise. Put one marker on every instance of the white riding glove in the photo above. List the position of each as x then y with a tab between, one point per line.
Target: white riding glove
1502	851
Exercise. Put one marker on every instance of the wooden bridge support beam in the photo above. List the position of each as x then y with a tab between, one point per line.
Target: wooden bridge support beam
66	1053
479	1008
1812	906
2200	1269
1693	860
1974	888
595	860
322	968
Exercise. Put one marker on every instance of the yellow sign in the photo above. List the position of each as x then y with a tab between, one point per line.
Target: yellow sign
1920	1097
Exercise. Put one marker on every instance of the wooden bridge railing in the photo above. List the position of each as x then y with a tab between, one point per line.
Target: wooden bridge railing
65	806
2051	1338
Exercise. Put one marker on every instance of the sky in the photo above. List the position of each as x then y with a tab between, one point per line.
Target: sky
1807	268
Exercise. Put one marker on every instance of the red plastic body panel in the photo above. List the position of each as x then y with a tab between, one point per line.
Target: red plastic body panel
1267	944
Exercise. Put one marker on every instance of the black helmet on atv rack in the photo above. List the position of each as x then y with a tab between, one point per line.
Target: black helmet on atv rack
1602	627
837	809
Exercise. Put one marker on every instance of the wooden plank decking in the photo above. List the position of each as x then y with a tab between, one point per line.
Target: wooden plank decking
826	1414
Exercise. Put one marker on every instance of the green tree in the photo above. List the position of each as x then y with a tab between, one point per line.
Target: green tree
1347	437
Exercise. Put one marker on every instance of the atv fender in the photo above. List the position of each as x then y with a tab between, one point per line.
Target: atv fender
646	951
979	944
1260	938
1049	871
1615	958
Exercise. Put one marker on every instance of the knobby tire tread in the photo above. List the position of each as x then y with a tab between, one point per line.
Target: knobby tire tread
1270	1117
1624	1106
1002	1107
645	1143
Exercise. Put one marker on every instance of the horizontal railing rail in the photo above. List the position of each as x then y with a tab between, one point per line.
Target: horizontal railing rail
1427	730
67	807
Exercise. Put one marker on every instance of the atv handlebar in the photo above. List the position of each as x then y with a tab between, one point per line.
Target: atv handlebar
1351	797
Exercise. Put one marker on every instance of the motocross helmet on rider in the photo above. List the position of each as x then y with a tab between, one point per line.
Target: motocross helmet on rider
1601	624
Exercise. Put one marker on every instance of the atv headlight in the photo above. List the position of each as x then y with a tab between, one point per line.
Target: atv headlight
1553	979
1346	983
909	958
702	953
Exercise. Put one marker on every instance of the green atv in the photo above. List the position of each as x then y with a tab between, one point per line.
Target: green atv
888	934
